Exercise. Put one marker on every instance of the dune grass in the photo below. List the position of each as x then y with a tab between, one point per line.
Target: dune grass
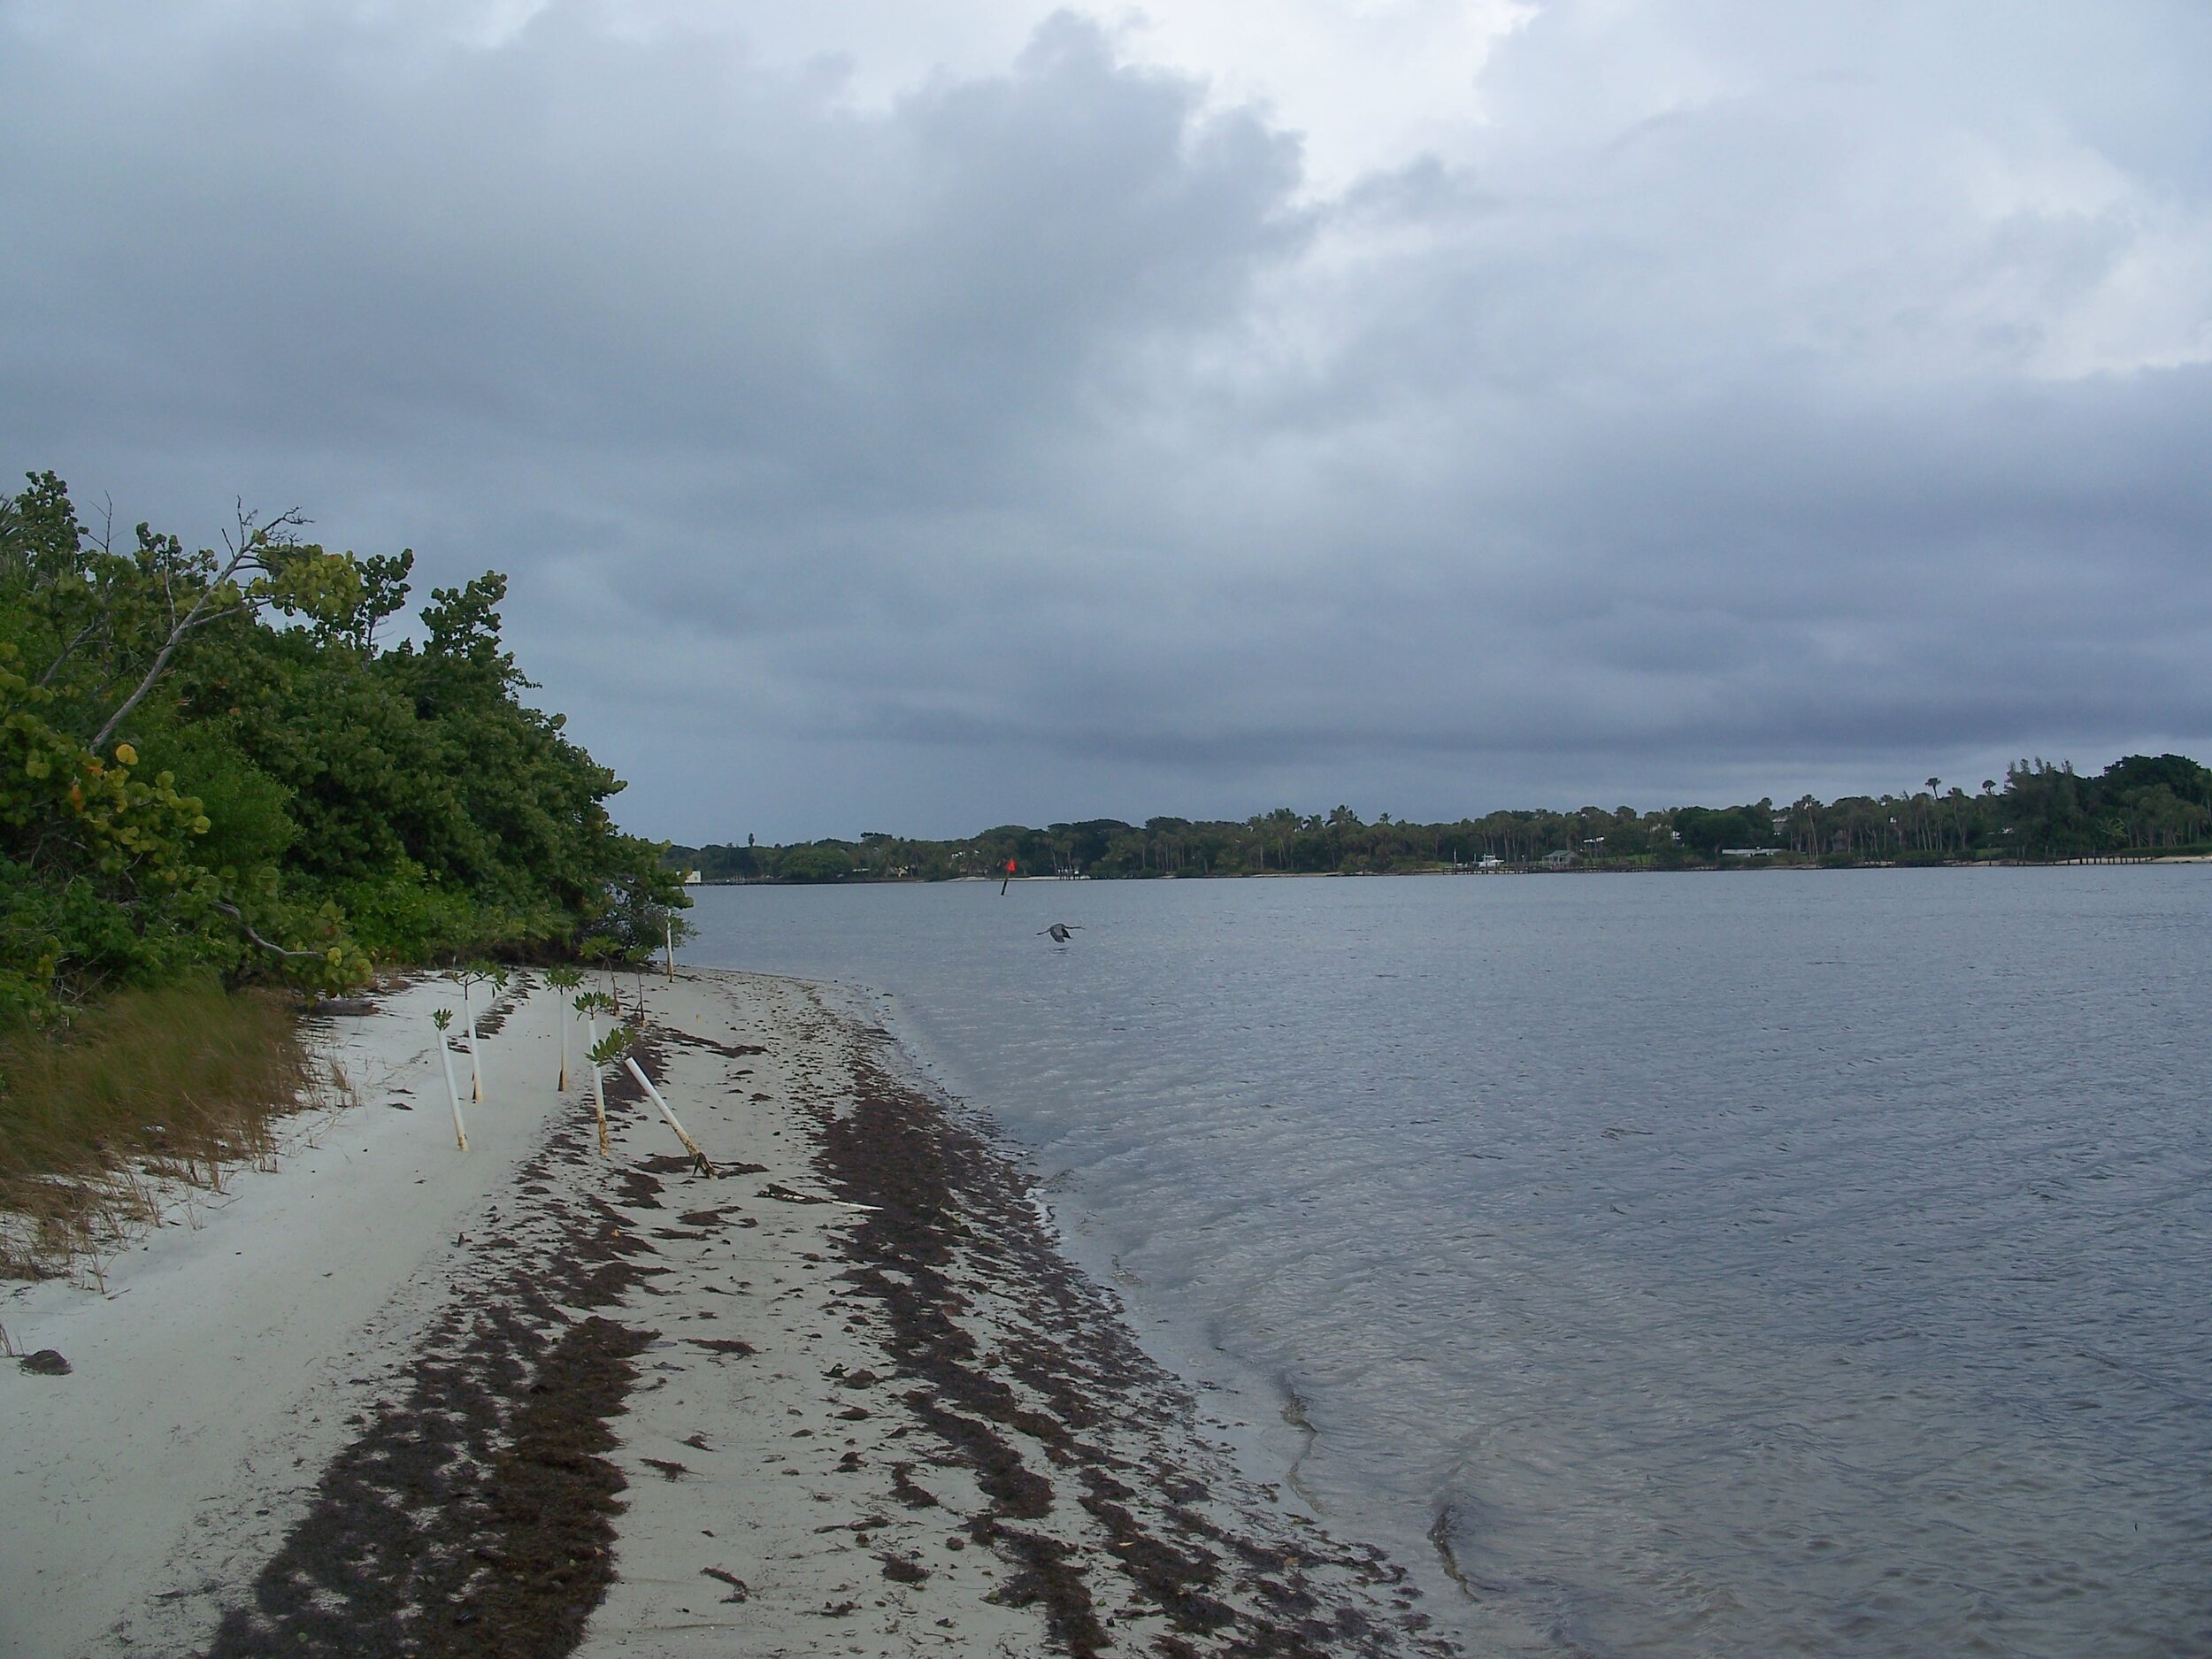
176	1083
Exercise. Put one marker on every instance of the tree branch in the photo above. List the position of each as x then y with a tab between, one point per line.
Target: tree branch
68	651
249	552
247	928
192	619
198	615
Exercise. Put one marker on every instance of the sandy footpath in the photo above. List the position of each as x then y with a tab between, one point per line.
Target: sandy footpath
841	1396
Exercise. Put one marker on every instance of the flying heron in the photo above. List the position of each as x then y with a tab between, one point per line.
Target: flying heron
1059	932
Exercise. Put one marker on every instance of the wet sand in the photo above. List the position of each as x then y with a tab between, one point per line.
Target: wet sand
843	1396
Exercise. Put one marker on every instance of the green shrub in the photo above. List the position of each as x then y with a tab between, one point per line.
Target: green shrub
401	914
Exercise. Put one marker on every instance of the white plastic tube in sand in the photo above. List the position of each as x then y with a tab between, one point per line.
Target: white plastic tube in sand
690	1145
452	1090
599	1110
598	1083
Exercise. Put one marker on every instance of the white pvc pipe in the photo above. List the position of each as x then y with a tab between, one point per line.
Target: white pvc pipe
563	1013
690	1145
452	1091
598	1086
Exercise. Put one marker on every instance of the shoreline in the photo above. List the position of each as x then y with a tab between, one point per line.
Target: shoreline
849	1396
1593	868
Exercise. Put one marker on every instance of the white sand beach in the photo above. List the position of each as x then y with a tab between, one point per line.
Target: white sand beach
843	1396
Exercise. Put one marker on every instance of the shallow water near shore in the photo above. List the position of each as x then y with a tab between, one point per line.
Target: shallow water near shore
1764	1262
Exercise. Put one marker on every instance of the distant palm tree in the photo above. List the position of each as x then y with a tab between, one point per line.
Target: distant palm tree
1935	803
1809	810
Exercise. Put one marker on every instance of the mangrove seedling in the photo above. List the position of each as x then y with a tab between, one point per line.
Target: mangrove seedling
591	1004
443	1019
470	974
562	980
465	977
604	1052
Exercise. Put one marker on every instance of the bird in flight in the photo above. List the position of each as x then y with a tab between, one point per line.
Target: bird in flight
1059	932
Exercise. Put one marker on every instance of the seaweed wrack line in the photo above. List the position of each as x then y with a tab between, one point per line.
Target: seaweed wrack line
827	1386
1100	1491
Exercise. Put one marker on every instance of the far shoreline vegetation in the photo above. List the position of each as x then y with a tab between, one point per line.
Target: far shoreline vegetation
223	798
2140	807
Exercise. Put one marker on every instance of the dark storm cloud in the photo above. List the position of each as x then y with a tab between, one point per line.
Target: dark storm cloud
1751	402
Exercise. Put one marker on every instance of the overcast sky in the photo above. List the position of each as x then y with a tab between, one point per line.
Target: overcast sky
923	417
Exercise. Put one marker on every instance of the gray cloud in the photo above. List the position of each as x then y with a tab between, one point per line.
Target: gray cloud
1754	403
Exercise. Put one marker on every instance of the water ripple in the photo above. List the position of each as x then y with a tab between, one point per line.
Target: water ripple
1759	1265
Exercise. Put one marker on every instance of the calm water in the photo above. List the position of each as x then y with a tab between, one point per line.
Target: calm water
1755	1265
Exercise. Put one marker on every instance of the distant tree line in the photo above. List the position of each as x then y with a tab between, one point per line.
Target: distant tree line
2041	812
